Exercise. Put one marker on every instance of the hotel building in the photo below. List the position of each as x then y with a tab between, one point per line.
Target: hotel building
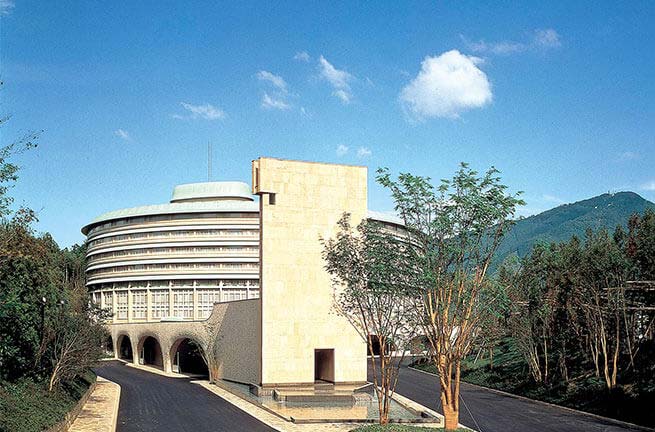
217	262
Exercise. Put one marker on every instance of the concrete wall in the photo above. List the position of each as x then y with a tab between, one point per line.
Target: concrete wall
236	328
235	325
295	290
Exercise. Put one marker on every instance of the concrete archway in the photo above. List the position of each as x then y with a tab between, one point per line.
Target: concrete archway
150	352
186	356
124	346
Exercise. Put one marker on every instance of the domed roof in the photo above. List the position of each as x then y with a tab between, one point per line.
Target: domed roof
212	191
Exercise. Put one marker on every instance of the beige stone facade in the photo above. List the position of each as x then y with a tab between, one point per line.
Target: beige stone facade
300	203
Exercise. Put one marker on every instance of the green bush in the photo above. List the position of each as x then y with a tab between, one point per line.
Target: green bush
27	406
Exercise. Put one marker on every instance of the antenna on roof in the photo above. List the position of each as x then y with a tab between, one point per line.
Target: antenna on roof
209	161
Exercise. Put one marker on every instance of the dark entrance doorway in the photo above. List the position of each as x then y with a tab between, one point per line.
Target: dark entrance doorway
324	365
187	358
125	348
151	352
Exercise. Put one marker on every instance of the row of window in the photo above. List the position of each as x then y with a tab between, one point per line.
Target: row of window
177	233
200	283
160	306
169	217
167	267
177	250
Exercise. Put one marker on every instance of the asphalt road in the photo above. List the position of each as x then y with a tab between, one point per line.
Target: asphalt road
152	402
495	412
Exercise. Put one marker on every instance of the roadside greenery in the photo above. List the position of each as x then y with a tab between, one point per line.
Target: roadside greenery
579	327
50	334
28	406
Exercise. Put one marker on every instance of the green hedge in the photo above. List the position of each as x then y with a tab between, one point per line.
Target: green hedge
27	406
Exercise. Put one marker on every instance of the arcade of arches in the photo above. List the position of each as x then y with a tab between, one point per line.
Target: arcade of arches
183	355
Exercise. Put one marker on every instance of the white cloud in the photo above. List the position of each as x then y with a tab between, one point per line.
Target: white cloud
269	102
649	186
276	80
6	7
446	86
547	38
343	95
342	150
123	134
628	156
206	111
302	56
500	48
338	79
364	152
542	39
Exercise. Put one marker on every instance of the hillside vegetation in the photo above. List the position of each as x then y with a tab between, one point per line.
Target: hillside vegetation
563	222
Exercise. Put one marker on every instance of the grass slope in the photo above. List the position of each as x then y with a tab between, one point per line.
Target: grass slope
27	406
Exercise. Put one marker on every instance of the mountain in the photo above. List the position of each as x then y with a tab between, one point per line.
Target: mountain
561	223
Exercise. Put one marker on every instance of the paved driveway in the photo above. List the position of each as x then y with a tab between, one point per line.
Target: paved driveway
495	412
152	402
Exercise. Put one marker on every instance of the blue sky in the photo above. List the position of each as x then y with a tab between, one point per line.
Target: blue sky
558	96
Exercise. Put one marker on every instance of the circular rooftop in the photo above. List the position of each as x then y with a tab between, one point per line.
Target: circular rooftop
211	191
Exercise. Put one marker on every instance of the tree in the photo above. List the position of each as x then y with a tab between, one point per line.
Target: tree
455	230
75	342
374	289
602	299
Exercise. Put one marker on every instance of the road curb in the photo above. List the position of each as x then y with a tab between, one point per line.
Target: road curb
100	411
573	410
117	402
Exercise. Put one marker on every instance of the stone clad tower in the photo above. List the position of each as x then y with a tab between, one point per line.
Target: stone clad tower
302	339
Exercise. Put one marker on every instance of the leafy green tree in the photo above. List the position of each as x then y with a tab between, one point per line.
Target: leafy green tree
375	290
455	230
644	243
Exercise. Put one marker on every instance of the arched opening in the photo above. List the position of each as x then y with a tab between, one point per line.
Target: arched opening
150	352
109	346
375	345
186	357
125	348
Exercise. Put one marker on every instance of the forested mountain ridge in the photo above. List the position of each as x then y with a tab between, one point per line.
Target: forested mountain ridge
562	222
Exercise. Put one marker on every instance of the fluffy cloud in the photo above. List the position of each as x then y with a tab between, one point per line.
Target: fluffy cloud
269	102
542	39
6	7
338	79
276	80
122	134
342	150
364	152
446	86
206	111
302	56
